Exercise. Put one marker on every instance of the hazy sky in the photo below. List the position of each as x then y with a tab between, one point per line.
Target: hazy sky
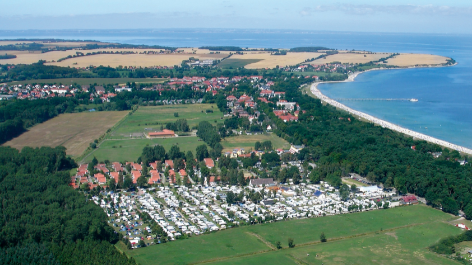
428	16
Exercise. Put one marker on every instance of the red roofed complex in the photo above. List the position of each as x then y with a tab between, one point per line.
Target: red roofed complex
155	178
115	175
409	199
100	178
209	162
164	133
169	163
136	175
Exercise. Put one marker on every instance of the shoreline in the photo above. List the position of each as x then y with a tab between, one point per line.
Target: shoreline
385	124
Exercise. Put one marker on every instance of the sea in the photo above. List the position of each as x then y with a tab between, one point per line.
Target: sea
444	107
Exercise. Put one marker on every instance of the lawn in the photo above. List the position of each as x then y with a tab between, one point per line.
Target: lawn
89	81
130	149
236	63
247	141
402	246
153	117
74	131
398	235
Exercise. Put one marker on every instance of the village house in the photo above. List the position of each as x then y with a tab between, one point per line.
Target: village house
163	133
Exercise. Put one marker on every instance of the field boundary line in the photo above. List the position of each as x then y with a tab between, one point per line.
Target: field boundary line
105	135
262	239
306	244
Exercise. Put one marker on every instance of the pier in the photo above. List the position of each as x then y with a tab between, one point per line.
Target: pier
376	99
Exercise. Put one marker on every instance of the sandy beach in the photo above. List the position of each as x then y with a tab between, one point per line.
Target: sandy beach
380	122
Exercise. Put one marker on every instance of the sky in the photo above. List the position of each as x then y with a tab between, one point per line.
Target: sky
420	16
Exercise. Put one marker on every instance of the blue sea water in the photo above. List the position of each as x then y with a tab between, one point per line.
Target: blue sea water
445	94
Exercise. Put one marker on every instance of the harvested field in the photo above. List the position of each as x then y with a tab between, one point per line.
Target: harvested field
271	61
113	60
351	58
90	81
144	60
200	51
72	130
410	59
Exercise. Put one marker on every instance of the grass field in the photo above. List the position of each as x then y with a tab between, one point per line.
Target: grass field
89	81
72	130
271	61
247	141
236	63
146	118
131	149
394	236
136	123
351	58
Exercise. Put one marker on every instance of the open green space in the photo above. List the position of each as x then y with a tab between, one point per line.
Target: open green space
153	117
399	235
236	63
90	81
247	141
130	149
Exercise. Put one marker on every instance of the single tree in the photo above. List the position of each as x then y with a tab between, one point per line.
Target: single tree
291	244
323	237
278	245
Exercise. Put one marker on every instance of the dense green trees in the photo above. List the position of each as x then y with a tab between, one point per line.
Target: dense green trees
208	133
39	207
340	144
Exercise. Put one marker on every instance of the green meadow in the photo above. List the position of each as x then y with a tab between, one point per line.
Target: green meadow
153	117
395	236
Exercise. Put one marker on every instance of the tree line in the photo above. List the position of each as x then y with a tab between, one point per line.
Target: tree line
42	214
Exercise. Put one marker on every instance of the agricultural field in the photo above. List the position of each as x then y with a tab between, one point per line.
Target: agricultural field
90	81
75	131
152	117
409	59
266	60
130	149
351	58
395	236
247	141
114	60
236	63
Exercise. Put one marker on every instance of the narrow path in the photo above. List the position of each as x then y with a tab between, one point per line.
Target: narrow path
303	244
263	240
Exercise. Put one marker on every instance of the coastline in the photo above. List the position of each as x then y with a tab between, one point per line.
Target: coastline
317	93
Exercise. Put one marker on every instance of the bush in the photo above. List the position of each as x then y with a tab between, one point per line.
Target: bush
323	237
291	244
176	114
278	245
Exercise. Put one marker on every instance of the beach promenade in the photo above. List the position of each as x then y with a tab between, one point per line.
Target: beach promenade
383	123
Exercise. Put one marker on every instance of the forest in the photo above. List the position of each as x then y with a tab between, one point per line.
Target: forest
43	219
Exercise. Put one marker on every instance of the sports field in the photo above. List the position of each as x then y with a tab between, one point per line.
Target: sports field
395	236
75	131
248	141
147	117
90	81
